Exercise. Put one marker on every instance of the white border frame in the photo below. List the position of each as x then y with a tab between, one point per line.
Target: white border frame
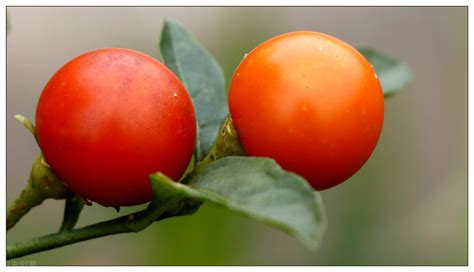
216	3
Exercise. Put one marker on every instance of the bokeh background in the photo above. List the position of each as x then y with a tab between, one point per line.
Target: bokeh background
406	206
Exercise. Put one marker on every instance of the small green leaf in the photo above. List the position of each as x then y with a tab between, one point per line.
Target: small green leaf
259	189
393	75
203	78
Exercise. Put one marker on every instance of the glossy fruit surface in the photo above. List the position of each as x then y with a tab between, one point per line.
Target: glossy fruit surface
109	118
311	102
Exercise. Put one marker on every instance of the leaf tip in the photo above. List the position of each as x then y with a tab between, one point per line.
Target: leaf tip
26	123
169	22
19	117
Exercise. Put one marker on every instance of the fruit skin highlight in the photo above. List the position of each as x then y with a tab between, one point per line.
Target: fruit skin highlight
109	118
311	102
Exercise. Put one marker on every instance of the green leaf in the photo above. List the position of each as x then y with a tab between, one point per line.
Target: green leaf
259	189
203	78
393	75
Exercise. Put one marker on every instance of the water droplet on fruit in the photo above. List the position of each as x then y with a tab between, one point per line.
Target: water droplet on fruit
375	75
175	94
320	50
245	55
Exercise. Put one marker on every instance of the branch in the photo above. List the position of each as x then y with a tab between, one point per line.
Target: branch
167	202
130	223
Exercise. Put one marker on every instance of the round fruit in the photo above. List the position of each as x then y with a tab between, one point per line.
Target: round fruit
108	119
311	102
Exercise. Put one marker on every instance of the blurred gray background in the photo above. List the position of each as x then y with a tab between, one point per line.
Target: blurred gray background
407	205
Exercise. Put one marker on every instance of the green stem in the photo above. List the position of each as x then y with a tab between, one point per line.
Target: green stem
226	144
42	184
72	210
23	204
167	202
130	223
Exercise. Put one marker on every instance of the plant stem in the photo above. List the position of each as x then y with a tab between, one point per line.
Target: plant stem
226	144
42	184
167	201
130	223
23	204
72	210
